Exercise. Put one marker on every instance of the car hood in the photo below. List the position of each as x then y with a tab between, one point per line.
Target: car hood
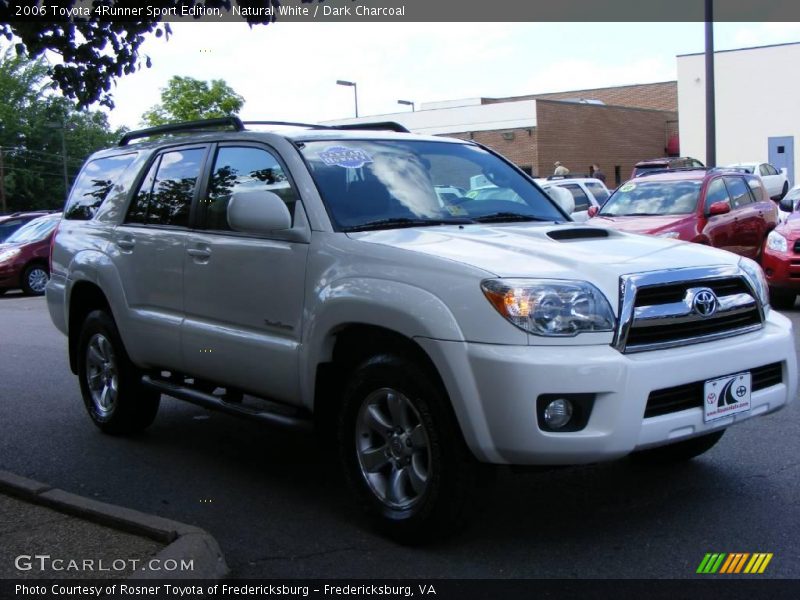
645	224
791	227
567	251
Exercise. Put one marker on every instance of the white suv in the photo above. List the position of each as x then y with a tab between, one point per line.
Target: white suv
315	275
587	192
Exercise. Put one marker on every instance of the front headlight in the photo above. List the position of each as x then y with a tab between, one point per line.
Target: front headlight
550	307
775	241
673	235
757	279
9	254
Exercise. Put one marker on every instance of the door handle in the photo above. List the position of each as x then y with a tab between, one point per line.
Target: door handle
199	254
126	244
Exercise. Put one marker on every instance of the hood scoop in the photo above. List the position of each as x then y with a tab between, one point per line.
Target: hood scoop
577	233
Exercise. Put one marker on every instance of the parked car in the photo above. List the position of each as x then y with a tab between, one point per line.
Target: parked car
782	254
774	179
25	255
669	162
426	342
724	209
586	191
10	223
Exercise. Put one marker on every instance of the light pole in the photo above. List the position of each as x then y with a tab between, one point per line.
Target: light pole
711	125
353	85
63	128
408	103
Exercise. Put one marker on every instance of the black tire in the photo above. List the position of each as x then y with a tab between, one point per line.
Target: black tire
680	451
782	299
3	291
132	407
32	279
454	480
784	191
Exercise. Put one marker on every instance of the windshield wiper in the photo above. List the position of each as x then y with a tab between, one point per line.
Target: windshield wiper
405	222
507	216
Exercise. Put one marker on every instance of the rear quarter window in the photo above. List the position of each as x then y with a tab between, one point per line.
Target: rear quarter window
93	185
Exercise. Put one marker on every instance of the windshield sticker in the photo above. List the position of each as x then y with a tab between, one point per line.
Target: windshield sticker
456	211
628	187
348	158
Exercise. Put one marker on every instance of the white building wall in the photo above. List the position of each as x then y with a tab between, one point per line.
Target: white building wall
457	119
757	97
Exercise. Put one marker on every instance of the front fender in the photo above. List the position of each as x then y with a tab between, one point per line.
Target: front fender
400	307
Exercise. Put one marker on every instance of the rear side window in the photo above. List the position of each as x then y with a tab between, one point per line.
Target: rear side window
94	183
599	192
240	169
740	192
581	199
165	196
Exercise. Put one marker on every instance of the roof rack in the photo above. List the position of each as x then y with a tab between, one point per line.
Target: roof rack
379	126
568	176
288	124
236	124
233	123
667	170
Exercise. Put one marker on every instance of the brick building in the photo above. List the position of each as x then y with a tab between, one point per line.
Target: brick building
613	127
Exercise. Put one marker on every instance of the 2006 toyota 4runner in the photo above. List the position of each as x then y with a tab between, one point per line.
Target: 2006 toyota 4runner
420	297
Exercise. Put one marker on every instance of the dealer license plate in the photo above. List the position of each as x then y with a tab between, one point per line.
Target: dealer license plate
725	396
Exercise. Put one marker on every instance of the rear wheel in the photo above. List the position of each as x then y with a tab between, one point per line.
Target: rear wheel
782	299
110	384
680	451
402	451
34	280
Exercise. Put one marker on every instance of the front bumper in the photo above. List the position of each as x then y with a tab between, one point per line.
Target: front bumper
782	268
494	389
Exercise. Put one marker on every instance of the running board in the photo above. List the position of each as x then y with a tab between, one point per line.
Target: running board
212	402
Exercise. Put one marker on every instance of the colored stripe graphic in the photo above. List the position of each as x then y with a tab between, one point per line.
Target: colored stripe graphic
758	563
734	563
711	563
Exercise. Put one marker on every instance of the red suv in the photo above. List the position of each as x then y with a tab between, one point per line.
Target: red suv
724	209
25	255
782	256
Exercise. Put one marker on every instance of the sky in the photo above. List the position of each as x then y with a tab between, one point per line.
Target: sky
288	71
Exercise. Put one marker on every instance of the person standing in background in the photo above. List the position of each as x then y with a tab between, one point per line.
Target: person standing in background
561	170
597	173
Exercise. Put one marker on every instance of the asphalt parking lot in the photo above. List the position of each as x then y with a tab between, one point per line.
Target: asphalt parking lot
275	501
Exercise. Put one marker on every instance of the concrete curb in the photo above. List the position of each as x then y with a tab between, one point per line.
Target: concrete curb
184	542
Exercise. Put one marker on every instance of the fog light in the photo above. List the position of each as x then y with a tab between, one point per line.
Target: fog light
558	413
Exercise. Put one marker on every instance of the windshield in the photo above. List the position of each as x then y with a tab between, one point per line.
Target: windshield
383	184
653	198
36	230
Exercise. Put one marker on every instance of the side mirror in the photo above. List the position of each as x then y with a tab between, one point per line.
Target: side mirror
786	204
719	208
258	211
593	210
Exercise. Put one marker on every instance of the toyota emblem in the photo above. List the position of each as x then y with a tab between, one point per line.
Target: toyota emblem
705	302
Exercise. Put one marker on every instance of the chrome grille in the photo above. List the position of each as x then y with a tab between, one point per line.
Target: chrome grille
662	309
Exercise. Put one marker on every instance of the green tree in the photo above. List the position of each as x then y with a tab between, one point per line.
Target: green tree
32	122
188	99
